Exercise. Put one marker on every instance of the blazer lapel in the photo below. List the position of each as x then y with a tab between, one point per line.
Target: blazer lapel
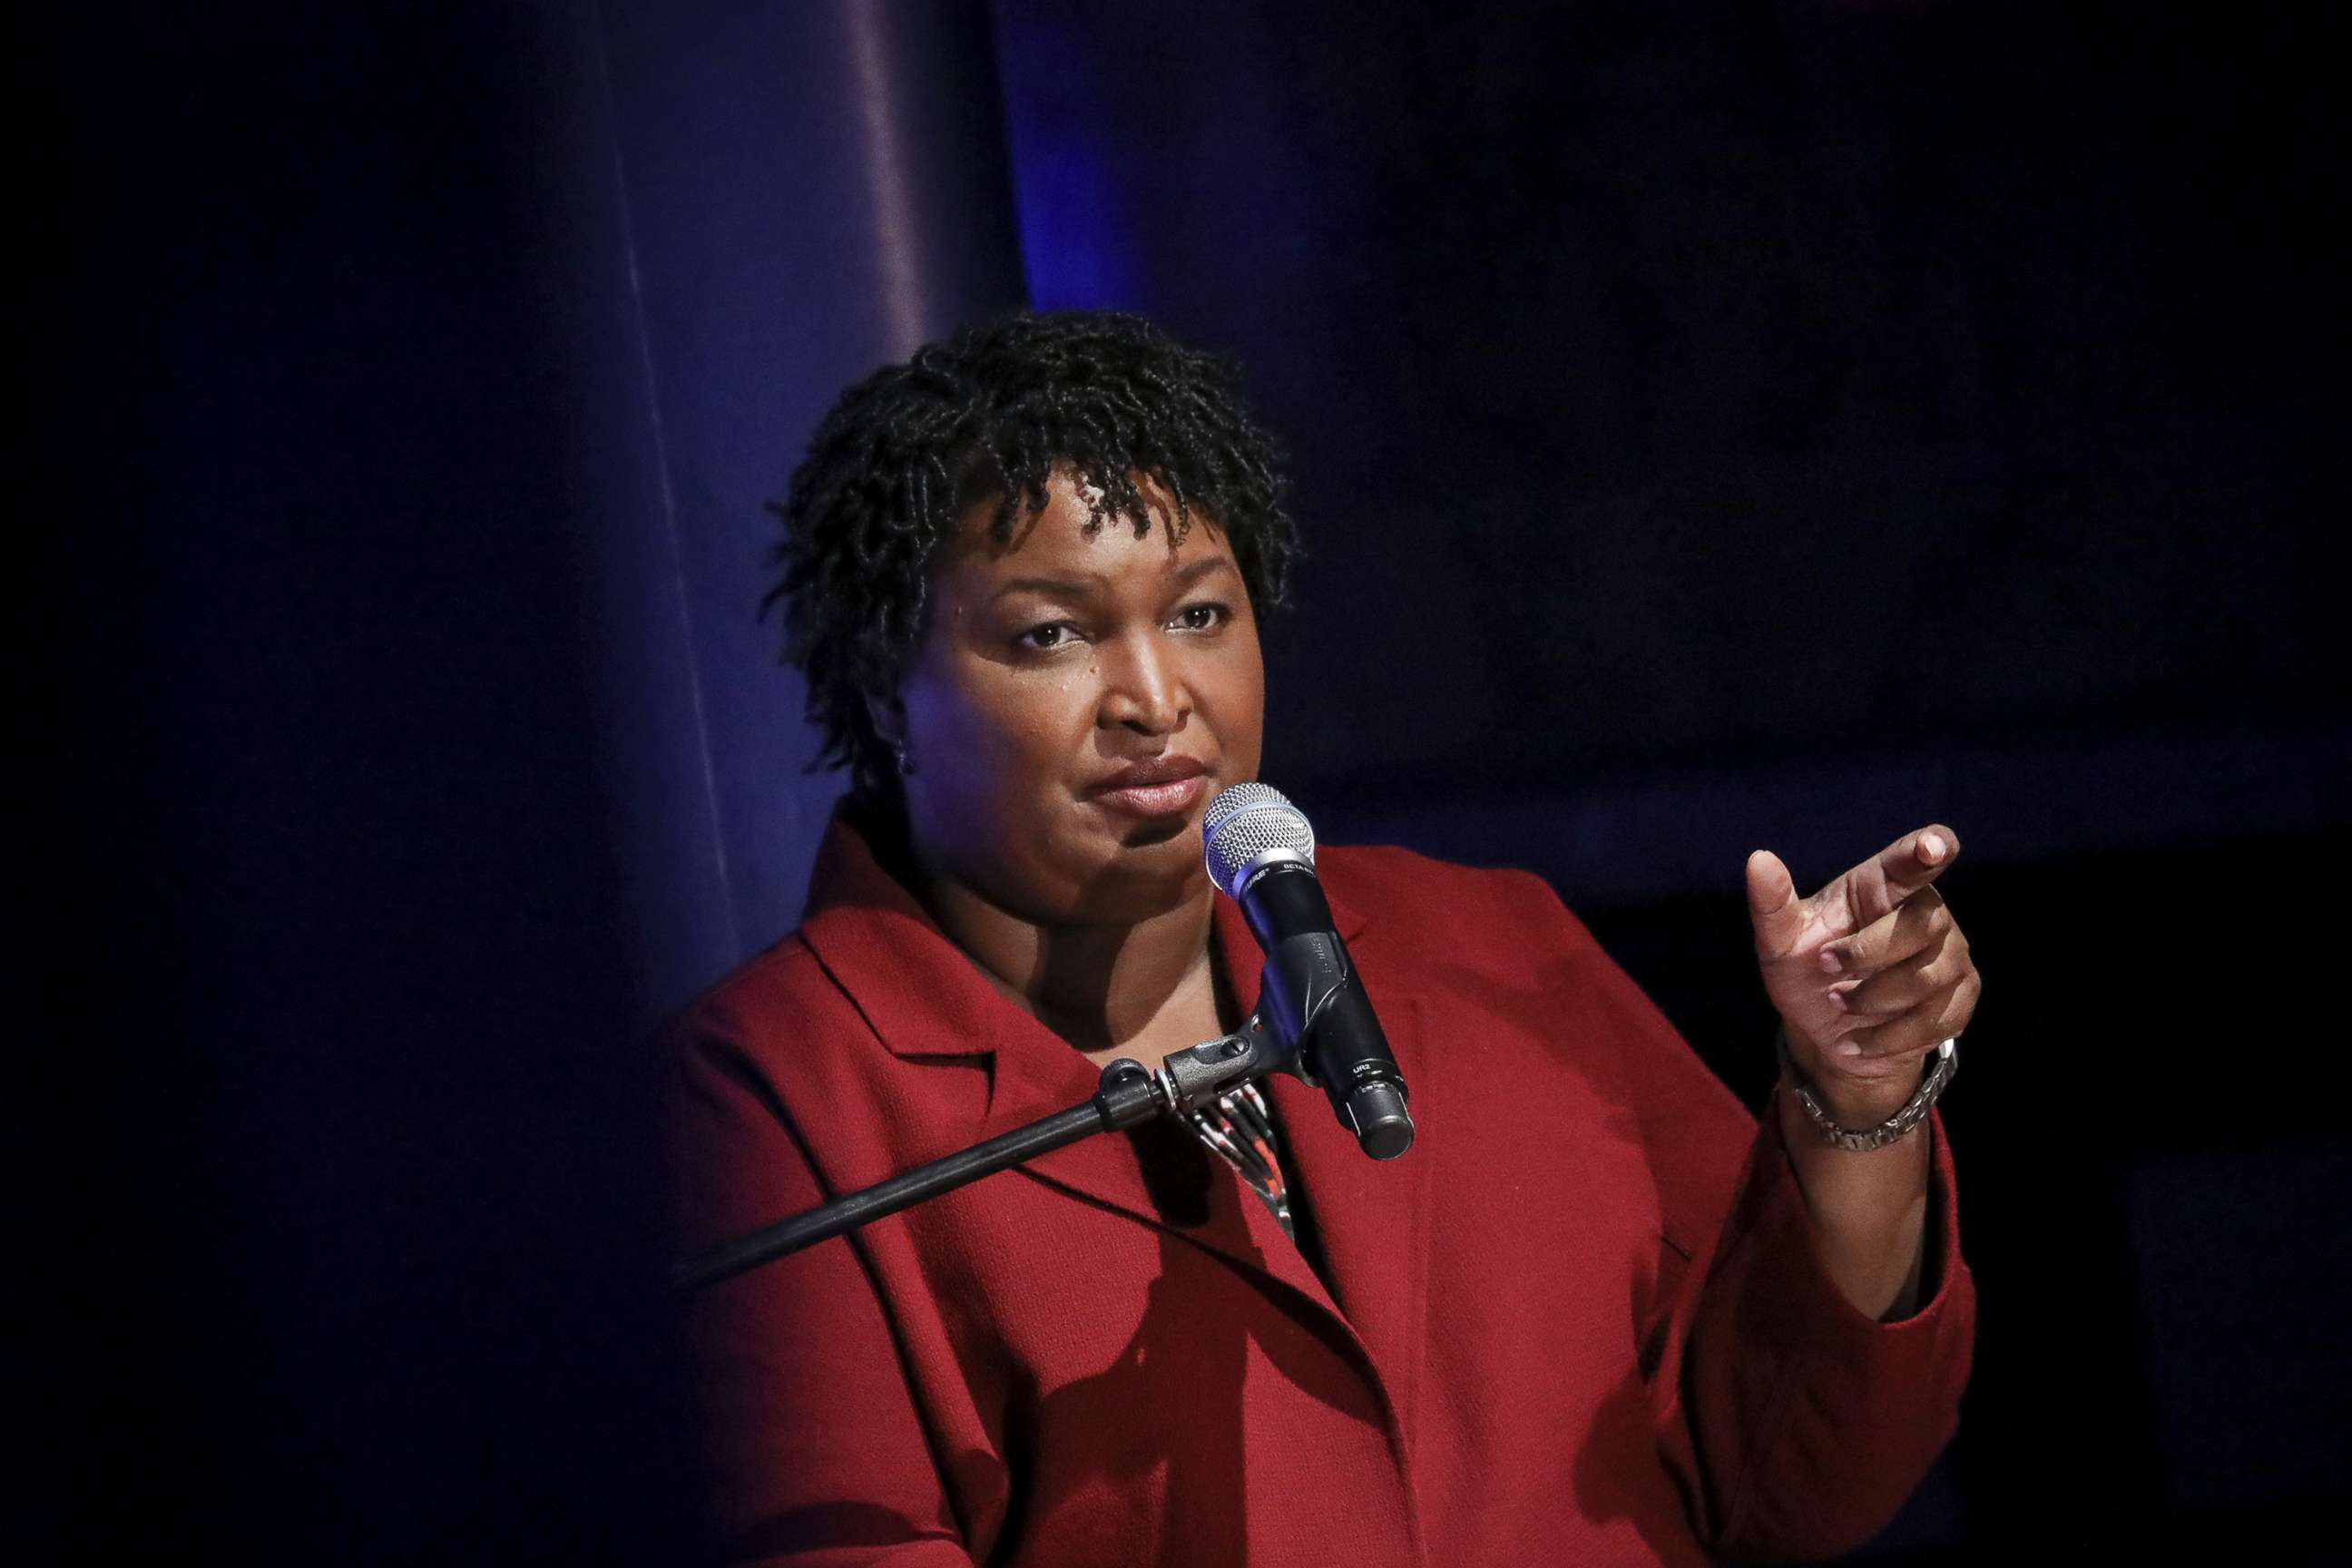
1372	1215
927	1002
1037	1076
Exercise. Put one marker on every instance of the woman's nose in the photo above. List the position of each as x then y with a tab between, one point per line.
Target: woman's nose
1142	689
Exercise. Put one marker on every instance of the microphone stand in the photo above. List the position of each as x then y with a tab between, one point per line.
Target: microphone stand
1130	1094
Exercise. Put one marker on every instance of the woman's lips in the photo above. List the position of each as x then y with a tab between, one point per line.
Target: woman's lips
1167	786
1158	799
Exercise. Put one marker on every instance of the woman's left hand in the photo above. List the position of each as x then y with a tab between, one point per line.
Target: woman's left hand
1869	974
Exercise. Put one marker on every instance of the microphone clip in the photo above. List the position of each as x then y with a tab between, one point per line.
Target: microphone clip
1193	1077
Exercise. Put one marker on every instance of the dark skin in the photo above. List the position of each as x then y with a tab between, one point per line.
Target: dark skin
1054	662
1869	974
1057	660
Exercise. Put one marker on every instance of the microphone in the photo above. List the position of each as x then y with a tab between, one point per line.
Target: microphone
1261	854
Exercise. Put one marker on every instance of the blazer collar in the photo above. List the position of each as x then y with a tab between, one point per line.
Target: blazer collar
926	1000
923	995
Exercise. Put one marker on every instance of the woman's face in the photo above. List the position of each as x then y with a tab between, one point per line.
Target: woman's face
1076	705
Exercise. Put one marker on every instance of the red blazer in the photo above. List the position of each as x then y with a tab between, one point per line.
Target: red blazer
1581	1321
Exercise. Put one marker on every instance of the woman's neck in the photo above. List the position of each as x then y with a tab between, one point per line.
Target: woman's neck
1137	989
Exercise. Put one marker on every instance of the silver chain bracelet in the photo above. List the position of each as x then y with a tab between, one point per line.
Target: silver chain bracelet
1913	1111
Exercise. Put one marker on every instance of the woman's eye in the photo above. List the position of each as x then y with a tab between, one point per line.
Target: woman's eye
1203	617
1051	635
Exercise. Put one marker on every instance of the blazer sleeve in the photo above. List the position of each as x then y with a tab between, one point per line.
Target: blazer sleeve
812	1449
1794	1426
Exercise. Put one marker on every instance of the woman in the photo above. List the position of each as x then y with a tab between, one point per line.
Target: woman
1598	1313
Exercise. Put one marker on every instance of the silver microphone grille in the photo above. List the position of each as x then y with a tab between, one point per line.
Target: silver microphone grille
1249	825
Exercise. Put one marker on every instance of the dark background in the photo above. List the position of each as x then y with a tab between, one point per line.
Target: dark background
1713	426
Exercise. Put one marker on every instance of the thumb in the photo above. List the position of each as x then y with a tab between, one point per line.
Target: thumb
1772	905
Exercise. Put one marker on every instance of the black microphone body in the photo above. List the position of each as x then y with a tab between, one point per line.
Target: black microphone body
1313	1000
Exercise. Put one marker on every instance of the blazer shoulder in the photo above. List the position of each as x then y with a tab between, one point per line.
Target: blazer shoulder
1389	885
757	1003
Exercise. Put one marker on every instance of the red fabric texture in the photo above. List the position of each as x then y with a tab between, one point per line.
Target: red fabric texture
1581	1321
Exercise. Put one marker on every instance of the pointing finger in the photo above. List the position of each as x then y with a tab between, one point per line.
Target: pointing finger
1905	867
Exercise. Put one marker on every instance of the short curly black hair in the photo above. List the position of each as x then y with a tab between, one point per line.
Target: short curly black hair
992	412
